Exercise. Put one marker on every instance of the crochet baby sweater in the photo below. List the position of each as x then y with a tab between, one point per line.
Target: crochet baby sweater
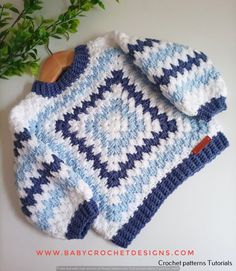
108	142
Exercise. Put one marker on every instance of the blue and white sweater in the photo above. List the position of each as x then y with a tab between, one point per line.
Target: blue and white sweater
108	142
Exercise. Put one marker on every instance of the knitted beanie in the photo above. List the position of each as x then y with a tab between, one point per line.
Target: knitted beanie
115	135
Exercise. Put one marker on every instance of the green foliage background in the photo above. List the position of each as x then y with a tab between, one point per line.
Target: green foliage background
19	37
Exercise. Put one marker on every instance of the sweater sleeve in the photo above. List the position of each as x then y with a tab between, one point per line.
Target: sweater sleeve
186	77
52	196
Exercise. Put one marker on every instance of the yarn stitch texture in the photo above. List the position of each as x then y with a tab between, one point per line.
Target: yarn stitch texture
108	142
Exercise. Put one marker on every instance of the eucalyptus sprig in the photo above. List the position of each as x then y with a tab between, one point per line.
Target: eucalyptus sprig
20	35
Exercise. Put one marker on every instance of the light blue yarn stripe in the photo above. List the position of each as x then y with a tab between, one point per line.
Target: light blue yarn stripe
55	196
48	211
102	199
156	58
193	84
68	158
71	161
116	211
157	164
28	161
115	146
96	72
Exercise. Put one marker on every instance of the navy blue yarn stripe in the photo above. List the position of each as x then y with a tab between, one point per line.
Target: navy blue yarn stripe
140	45
82	220
81	60
151	204
48	168
19	139
113	177
183	65
210	109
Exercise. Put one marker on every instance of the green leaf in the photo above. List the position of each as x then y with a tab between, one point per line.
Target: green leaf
4	51
73	26
101	5
7	5
14	10
66	35
2	24
3	33
47	21
32	5
29	17
61	17
5	13
87	6
33	55
56	36
35	51
61	29
34	68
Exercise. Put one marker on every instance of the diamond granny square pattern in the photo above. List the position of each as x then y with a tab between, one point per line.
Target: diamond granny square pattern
115	127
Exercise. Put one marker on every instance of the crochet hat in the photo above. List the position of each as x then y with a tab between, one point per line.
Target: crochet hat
108	142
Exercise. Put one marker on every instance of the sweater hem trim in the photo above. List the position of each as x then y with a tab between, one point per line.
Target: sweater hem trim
82	220
210	109
189	166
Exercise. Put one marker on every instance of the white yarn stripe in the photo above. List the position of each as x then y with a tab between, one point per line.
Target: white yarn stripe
187	76
138	141
215	90
26	110
158	70
109	229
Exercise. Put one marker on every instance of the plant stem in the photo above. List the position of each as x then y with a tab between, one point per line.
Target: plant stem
13	24
57	22
47	47
2	8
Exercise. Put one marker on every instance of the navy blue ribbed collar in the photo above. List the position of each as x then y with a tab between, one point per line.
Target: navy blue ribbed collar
73	72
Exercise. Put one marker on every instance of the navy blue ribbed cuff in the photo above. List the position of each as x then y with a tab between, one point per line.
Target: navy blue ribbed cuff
210	109
151	204
82	220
